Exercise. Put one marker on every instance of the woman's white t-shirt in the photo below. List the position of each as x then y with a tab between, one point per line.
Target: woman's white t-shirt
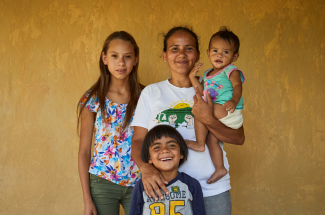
164	103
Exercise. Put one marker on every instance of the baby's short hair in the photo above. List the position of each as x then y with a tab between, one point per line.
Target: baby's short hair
158	132
227	35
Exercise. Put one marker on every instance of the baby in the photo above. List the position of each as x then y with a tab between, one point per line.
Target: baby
224	84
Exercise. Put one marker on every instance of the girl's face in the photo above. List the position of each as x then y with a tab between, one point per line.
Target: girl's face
165	154
120	58
181	53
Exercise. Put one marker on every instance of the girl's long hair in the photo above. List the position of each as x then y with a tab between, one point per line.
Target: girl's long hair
100	88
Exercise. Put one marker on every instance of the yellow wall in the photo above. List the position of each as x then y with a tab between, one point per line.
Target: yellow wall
48	57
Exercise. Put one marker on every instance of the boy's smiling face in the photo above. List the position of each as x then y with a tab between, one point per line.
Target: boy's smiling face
165	155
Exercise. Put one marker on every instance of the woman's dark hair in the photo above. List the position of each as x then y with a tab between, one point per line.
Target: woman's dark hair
158	132
228	36
180	28
100	88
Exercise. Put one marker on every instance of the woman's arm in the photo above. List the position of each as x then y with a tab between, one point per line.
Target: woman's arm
86	134
152	179
203	111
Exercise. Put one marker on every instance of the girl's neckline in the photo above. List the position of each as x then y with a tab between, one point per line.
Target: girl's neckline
114	102
217	73
174	179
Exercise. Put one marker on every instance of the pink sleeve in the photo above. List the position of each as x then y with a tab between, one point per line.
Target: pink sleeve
242	76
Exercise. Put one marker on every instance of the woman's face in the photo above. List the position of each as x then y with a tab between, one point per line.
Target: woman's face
181	53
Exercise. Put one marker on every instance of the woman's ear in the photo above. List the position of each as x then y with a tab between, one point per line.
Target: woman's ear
181	156
198	56
164	56
104	58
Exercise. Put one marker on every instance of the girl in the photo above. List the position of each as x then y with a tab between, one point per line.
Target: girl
107	109
165	148
174	102
224	84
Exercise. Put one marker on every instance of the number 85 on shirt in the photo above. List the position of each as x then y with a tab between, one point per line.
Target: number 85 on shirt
159	208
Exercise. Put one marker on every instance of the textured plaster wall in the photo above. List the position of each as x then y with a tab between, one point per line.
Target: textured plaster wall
48	57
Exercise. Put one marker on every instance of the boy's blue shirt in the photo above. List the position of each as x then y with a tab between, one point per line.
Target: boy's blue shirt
185	197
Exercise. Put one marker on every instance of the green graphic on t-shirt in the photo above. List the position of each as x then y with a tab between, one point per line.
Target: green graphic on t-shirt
176	116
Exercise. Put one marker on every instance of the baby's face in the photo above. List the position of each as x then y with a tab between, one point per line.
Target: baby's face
165	154
221	53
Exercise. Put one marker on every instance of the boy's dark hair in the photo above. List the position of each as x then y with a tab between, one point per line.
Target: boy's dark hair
172	31
228	36
158	132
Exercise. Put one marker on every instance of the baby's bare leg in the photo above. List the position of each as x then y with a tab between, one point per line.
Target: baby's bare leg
215	149
219	111
200	133
216	157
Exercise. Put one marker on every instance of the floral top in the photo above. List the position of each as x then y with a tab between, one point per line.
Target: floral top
112	148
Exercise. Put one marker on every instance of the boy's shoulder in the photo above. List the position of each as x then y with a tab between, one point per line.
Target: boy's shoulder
185	178
139	184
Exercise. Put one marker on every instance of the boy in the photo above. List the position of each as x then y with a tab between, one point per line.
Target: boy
166	149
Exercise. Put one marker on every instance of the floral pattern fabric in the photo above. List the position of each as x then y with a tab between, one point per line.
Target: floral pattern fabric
112	147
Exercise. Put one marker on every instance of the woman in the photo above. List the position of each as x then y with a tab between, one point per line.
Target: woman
170	102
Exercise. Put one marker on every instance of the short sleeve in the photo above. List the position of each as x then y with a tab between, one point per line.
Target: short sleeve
92	104
136	207
242	76
142	112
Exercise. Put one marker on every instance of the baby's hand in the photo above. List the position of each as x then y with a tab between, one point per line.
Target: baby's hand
195	69
230	105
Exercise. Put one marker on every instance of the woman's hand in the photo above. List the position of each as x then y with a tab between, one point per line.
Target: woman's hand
152	181
202	111
90	208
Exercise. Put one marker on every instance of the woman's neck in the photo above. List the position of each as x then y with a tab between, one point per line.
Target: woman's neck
180	81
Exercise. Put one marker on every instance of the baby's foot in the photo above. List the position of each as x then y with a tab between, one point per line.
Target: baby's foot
219	173
195	146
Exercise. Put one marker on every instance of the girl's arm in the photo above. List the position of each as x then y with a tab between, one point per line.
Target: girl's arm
152	179
237	91
203	111
86	134
194	79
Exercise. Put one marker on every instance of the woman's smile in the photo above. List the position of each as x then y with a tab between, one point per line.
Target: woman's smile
182	62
